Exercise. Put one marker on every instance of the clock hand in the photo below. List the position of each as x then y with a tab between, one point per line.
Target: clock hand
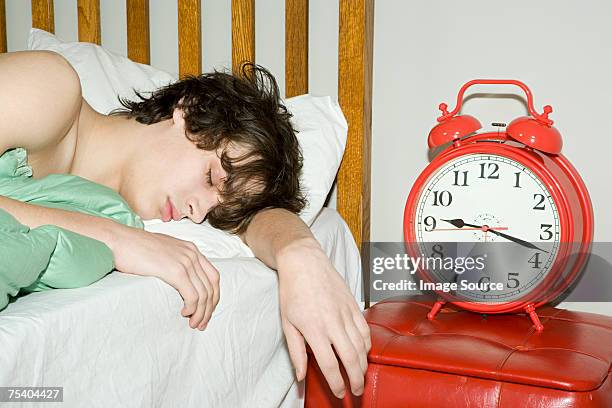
517	240
459	223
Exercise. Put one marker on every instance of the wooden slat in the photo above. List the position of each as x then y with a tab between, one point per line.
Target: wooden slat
89	21
138	43
355	51
190	37
3	46
42	15
296	47
243	33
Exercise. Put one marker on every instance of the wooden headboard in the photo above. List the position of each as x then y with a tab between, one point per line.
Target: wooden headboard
354	70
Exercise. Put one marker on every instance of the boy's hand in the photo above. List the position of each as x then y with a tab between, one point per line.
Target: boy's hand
178	263
317	306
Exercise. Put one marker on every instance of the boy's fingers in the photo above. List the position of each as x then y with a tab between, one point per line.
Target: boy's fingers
297	349
188	293
351	362
213	290
358	344
213	276
326	359
364	329
200	312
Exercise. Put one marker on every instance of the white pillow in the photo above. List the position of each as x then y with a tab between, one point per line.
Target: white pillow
322	131
103	74
321	125
212	242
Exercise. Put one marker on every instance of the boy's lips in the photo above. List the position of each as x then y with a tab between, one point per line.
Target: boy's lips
175	213
169	212
166	214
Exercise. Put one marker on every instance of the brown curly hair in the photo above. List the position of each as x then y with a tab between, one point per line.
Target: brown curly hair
221	109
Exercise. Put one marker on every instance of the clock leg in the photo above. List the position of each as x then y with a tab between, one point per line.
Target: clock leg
435	309
534	317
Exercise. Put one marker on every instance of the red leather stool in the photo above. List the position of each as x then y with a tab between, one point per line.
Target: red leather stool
464	359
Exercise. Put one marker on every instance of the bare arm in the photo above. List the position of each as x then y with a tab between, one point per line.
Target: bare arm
316	305
34	216
271	231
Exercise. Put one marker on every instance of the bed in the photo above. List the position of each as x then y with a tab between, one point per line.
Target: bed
120	343
98	343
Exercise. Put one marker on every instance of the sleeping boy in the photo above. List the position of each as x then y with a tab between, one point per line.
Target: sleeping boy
217	147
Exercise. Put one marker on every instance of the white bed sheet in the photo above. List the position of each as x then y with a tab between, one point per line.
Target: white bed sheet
121	342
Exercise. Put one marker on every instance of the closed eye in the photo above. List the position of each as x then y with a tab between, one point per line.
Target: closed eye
209	177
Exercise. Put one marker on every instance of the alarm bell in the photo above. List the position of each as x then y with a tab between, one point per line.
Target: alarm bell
535	131
452	128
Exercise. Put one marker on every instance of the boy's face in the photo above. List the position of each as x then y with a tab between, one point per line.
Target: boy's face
174	179
191	186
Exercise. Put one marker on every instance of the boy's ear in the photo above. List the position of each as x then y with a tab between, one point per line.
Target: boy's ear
177	117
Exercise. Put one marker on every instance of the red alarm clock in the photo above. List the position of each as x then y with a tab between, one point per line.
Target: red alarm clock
511	186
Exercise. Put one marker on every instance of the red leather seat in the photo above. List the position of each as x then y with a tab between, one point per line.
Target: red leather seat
464	359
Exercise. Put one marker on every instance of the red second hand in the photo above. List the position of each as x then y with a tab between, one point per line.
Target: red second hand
470	229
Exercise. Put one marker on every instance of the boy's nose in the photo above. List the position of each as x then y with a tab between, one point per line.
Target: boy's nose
196	213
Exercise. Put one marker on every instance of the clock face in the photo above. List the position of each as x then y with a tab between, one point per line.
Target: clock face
492	208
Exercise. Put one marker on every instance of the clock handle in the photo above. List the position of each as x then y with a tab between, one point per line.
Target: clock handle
540	117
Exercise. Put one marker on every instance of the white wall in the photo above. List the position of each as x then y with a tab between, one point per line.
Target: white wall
424	51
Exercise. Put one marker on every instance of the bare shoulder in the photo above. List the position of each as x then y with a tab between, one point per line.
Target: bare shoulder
40	100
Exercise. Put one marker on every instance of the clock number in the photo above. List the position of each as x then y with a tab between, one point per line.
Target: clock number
535	260
511	278
443	198
483	280
430	223
516	181
493	174
540	204
463	178
546	230
437	250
